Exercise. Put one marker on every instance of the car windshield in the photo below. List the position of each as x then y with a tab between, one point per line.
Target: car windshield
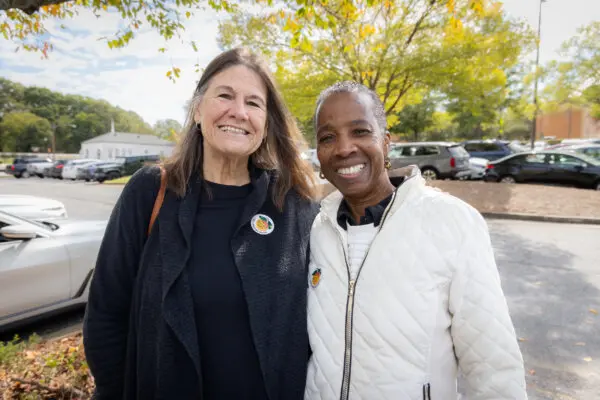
589	159
46	226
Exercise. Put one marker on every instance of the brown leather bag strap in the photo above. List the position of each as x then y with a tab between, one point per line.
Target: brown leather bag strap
159	198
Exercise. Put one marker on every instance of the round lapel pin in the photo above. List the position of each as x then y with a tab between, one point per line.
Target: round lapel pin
315	277
262	224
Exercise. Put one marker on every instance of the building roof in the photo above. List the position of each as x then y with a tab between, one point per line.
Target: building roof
129	138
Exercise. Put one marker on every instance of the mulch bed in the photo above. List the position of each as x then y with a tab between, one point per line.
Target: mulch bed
45	370
538	200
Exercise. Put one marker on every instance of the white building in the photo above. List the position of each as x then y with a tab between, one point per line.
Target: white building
118	144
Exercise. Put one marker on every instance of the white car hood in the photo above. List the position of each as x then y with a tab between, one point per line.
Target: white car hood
32	207
11	200
76	228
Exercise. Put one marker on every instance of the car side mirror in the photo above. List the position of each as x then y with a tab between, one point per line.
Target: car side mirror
579	168
18	232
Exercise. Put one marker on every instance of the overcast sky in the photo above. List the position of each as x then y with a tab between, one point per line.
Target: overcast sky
134	78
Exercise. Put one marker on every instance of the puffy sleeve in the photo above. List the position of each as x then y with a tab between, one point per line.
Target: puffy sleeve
106	322
484	338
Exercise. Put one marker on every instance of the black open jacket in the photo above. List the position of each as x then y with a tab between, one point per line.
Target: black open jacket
139	332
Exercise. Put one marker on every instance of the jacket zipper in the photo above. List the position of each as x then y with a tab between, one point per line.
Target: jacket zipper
345	390
427	391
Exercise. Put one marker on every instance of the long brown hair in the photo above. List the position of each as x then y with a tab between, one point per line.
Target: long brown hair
280	151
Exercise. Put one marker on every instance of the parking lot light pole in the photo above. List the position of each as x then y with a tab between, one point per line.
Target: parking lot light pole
53	125
535	87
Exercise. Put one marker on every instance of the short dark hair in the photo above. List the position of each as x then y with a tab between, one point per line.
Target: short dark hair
353	87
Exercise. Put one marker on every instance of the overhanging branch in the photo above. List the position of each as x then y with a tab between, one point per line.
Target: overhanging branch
28	6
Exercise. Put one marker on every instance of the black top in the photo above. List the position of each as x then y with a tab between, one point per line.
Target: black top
140	334
229	362
373	214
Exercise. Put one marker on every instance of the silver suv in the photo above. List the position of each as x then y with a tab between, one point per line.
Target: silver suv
437	160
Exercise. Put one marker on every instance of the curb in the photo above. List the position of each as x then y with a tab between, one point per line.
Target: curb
542	218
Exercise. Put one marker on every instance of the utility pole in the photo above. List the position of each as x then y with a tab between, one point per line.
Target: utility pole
53	141
535	88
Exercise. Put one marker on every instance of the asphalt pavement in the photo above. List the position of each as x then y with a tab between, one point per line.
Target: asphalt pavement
550	274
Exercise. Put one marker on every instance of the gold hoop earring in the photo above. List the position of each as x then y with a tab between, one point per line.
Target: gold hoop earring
321	175
387	163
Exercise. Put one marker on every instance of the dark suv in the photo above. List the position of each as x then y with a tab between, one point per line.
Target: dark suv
19	166
488	149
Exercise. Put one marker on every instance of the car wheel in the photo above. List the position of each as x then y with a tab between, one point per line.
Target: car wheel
113	175
25	174
429	174
508	179
597	186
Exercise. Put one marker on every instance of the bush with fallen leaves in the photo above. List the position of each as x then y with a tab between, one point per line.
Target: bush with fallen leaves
44	370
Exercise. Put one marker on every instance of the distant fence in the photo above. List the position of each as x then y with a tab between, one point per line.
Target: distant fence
40	155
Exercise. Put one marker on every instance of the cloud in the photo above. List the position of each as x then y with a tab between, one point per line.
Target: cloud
132	78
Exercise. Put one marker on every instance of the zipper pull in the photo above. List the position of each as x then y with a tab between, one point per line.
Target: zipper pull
352	282
427	391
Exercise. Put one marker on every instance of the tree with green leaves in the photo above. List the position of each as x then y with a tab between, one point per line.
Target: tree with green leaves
575	81
24	131
73	118
399	49
22	21
415	119
167	129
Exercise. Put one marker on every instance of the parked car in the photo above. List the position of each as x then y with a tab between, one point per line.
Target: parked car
477	166
55	170
37	168
69	170
436	160
549	167
19	166
123	166
590	150
488	149
46	267
86	172
573	142
33	207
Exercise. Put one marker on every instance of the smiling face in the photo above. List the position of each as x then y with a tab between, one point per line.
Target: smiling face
351	146
233	113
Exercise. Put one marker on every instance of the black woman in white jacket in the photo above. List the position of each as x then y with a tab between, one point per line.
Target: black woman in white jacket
403	288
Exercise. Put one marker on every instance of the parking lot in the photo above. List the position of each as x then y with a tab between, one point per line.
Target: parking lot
550	274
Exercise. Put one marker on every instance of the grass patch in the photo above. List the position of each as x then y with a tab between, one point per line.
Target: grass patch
119	181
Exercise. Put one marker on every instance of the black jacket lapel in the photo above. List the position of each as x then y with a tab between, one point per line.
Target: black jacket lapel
254	274
176	227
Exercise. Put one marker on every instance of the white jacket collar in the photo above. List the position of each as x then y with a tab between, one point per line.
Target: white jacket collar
413	183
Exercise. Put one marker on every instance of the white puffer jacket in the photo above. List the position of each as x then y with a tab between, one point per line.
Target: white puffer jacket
426	301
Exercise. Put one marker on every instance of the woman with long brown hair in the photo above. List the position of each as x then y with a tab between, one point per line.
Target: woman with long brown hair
208	300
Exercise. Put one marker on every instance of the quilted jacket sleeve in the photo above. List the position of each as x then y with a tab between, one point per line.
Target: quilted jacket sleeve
482	331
